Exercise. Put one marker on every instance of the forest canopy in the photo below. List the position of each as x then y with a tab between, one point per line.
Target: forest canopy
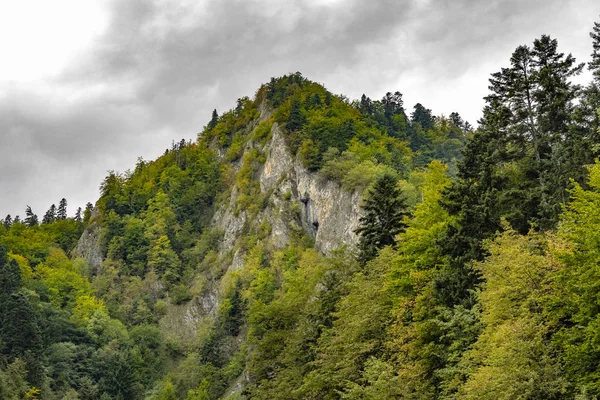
474	274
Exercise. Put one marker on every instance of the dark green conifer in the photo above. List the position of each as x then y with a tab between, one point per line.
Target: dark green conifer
61	214
315	100
296	118
87	213
50	215
10	275
384	209
594	65
78	214
214	119
31	219
422	116
8	221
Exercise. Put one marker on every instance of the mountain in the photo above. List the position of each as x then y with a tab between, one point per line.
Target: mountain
307	246
205	223
183	252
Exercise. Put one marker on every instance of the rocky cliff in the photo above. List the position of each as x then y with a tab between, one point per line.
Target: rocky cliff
325	211
294	201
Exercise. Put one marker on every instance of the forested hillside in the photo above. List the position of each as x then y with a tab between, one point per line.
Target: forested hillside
307	246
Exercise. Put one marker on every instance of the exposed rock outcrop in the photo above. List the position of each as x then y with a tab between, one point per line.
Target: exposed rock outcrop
89	247
326	212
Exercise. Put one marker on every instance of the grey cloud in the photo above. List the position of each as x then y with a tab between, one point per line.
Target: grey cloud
161	67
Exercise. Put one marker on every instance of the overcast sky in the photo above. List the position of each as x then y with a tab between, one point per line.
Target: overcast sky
89	86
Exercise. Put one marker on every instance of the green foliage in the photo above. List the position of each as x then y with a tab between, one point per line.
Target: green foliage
52	327
384	210
513	357
13	381
296	118
577	307
483	291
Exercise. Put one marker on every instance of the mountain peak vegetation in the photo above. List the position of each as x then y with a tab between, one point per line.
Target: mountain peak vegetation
310	246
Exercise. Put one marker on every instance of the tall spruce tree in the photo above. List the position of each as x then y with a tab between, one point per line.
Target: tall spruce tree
50	215
78	214
87	213
30	218
10	275
296	118
422	116
586	118
8	221
214	120
61	213
385	209
19	331
516	166
594	65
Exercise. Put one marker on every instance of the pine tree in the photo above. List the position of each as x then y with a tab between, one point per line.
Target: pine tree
384	209
518	164
457	120
10	275
78	214
315	101
50	215
18	328
214	120
31	219
296	119
87	213
8	221
392	104
366	105
61	214
17	220
594	65
422	116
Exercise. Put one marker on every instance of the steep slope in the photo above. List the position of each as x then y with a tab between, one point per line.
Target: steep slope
236	243
325	211
226	268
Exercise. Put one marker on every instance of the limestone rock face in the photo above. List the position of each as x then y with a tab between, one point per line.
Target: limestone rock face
329	214
294	202
320	207
89	247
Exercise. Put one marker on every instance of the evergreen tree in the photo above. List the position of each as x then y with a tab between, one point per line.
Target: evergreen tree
8	221
518	164
366	105
18	327
422	116
392	104
19	332
87	213
296	119
10	275
78	214
384	209
50	215
17	220
457	120
393	112
61	214
315	100
594	65
214	120
421	121
31	219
